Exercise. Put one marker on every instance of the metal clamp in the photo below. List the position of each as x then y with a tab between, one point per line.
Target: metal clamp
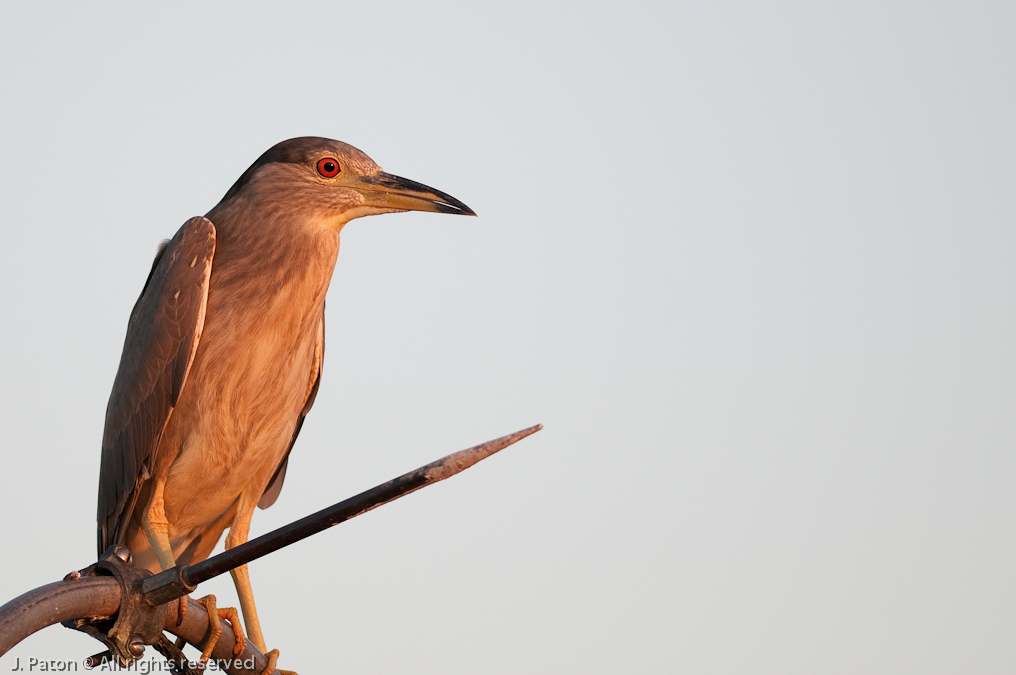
137	623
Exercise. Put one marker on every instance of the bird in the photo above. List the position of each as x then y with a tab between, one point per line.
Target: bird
223	353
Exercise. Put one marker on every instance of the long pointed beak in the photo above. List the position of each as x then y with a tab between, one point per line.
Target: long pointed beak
386	191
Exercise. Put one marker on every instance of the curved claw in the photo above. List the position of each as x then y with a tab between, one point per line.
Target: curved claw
181	611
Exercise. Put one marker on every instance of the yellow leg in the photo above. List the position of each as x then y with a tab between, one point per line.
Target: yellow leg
238	532
156	527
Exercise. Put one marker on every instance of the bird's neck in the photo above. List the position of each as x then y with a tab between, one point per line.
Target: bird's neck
269	257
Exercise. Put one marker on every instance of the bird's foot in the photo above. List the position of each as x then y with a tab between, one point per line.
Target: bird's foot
273	658
214	614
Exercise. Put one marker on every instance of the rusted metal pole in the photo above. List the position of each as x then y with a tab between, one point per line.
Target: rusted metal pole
99	597
56	602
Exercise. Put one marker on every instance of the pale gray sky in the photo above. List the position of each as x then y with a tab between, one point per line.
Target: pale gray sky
752	265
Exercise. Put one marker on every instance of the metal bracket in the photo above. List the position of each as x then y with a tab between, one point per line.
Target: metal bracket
137	623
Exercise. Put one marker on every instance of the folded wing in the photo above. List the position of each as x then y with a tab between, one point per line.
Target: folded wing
162	338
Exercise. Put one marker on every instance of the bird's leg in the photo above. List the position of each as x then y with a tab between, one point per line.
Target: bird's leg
241	579
156	528
238	532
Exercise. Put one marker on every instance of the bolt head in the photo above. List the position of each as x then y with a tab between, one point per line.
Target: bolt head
123	554
136	647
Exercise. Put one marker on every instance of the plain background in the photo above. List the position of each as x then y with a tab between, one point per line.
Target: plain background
752	265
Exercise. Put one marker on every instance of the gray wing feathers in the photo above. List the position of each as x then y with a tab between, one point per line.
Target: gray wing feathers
275	484
162	338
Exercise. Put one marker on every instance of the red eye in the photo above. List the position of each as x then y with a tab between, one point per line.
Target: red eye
328	167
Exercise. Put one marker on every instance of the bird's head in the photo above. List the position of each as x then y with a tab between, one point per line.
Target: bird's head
330	183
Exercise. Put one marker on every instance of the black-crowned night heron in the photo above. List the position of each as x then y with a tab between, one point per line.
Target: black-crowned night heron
223	354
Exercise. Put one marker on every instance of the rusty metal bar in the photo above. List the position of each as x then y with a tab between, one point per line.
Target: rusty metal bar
349	508
56	602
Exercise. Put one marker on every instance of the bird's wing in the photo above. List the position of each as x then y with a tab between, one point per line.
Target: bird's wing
275	484
162	338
